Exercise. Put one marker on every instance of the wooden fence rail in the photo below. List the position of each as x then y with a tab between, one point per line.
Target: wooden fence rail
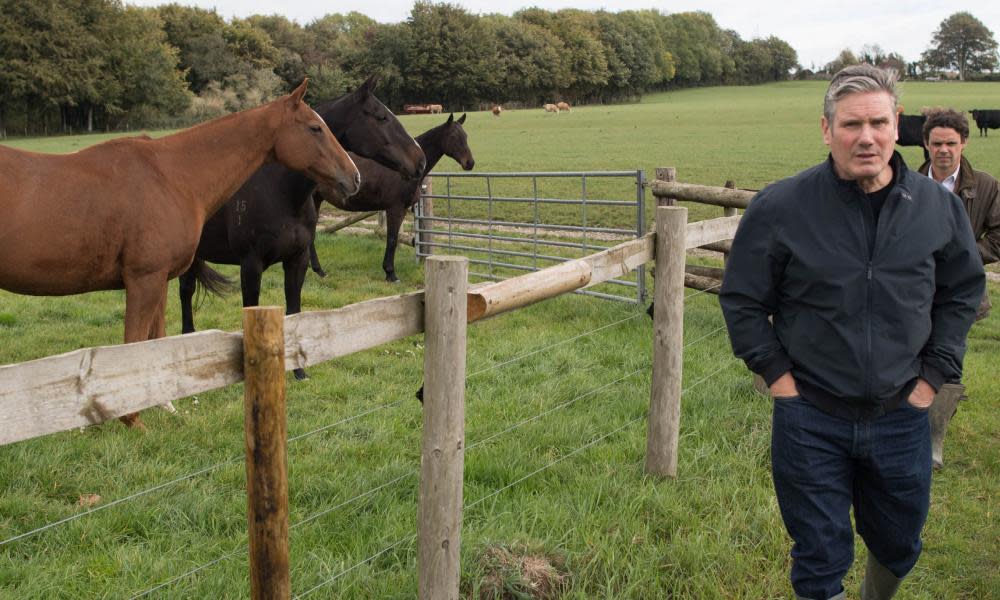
92	385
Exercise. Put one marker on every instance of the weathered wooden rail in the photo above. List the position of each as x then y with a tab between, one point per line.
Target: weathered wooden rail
668	191
92	385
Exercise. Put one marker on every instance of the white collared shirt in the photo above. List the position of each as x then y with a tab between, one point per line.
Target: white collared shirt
948	182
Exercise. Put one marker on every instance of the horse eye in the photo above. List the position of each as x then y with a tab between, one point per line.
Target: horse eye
316	128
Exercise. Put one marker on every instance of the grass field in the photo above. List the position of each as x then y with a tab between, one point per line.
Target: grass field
556	396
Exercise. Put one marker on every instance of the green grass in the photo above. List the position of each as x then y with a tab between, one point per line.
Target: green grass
713	532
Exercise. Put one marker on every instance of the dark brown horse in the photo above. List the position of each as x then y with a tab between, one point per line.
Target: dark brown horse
128	213
272	218
383	189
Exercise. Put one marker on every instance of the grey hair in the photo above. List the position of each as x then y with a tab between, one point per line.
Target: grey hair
859	79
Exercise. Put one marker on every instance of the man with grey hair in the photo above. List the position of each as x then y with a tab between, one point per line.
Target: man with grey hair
850	289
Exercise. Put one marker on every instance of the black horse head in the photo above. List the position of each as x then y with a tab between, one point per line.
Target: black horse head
455	142
364	126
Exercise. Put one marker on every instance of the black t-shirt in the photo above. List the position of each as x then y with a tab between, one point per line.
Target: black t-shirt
877	198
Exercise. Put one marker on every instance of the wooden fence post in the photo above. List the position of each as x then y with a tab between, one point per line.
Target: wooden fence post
668	342
666	174
729	211
266	451
442	458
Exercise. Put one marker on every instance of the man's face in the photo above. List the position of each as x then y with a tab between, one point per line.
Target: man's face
862	137
945	147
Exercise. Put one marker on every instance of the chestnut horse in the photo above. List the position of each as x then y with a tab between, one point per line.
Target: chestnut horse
128	213
382	189
272	218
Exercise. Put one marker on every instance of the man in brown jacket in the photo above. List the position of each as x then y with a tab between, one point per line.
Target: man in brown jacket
946	133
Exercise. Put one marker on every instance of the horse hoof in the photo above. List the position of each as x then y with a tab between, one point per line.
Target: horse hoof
321	273
169	407
392	279
133	421
300	374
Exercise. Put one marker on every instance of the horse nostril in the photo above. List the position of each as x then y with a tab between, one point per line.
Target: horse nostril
357	179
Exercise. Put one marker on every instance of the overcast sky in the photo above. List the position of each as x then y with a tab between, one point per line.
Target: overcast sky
817	30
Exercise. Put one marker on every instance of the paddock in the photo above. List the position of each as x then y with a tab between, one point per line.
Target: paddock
556	399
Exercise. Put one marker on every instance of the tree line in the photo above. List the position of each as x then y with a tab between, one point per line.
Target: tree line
961	45
84	65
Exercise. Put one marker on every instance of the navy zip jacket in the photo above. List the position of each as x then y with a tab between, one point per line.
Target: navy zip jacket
861	307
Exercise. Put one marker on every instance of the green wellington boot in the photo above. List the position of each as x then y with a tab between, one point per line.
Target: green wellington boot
879	582
941	412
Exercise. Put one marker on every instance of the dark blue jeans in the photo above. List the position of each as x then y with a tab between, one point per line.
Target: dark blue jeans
823	465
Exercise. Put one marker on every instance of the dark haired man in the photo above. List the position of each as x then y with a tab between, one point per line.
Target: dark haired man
946	133
871	275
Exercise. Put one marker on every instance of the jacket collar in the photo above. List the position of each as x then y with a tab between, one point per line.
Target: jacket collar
966	177
899	174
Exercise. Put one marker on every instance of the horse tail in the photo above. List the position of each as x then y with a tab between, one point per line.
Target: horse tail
211	280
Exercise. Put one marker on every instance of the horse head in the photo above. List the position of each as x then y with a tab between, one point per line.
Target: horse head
304	143
367	128
455	142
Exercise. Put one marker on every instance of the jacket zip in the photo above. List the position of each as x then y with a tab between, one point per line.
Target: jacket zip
869	284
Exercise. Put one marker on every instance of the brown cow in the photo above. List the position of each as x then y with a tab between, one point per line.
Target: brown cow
563	106
552	108
435	108
496	110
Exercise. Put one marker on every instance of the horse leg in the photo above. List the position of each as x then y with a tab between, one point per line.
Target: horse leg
251	270
314	260
157	330
295	276
188	284
145	300
393	221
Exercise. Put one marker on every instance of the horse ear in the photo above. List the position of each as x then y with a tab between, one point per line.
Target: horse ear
299	92
461	119
369	85
451	117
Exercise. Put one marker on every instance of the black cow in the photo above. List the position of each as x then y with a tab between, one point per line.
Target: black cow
911	131
986	119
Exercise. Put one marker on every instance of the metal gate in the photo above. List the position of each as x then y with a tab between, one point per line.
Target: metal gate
512	222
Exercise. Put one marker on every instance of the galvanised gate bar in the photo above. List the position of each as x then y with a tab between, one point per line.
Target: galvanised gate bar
527	226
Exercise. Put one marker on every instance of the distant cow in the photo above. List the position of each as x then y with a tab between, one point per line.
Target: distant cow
563	106
986	119
911	131
435	108
496	110
552	108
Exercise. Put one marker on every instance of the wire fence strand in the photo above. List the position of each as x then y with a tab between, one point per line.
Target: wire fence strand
550	347
329	581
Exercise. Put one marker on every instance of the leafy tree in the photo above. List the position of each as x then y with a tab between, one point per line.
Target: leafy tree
962	43
753	62
451	57
143	76
198	35
783	58
631	63
530	60
846	58
291	42
644	23
697	42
